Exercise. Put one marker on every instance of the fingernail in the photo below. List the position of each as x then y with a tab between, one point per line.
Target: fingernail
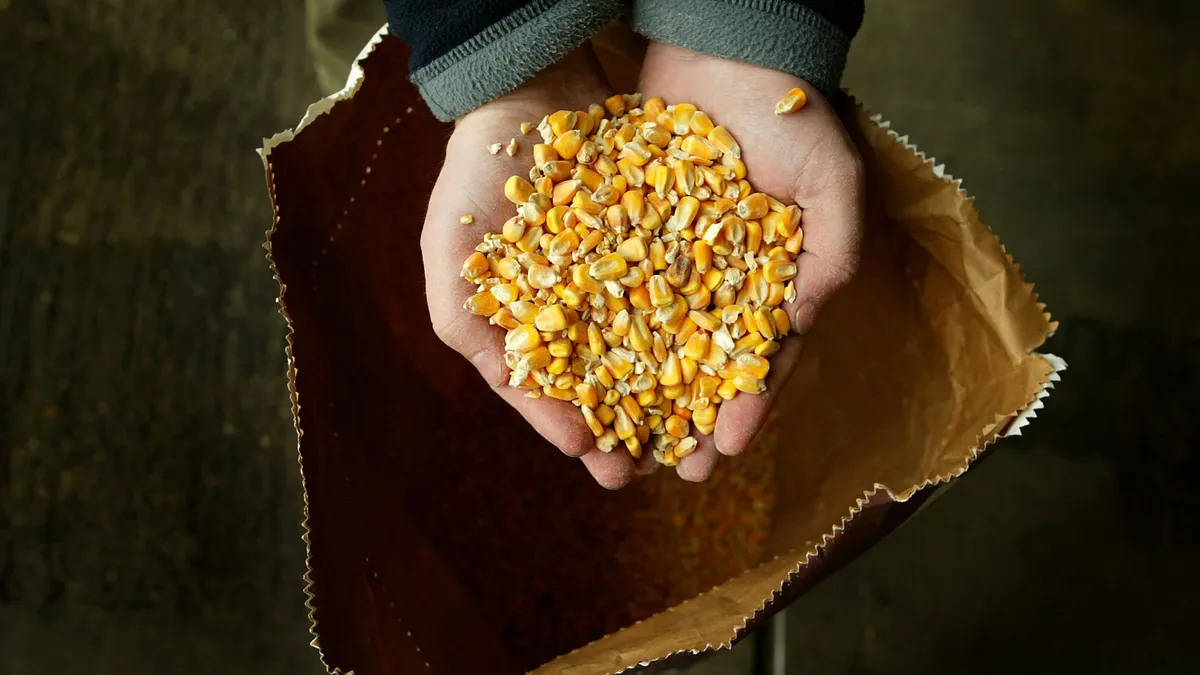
488	366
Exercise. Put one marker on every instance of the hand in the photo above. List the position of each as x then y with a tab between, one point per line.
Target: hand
806	158
472	182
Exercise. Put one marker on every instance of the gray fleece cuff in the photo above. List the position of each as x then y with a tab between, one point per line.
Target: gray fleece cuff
509	52
783	36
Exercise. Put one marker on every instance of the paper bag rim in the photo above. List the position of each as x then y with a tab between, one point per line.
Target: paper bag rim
1006	425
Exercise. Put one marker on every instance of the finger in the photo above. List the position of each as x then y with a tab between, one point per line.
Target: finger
557	421
699	465
739	420
646	464
612	470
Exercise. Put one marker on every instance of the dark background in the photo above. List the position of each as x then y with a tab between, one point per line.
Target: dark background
149	492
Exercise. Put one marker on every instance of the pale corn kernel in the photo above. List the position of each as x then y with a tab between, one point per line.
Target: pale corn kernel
700	299
542	276
611	266
524	311
617	219
522	339
791	102
607	442
495	148
778	271
475	266
685	212
506	293
633	279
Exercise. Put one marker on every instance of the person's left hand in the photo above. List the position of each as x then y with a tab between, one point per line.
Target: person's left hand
804	158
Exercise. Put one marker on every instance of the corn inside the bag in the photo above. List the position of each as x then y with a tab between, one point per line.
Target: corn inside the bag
642	276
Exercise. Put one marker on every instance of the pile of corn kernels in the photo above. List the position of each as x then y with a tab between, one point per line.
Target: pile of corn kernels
642	276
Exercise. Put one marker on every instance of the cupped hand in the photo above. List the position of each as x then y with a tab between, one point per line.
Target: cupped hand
805	158
472	183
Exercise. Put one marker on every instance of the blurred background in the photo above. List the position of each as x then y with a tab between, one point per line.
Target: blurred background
149	491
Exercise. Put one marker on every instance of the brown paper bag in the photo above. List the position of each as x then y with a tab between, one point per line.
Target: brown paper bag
446	537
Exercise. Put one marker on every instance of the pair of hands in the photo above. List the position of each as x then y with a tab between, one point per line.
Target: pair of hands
806	158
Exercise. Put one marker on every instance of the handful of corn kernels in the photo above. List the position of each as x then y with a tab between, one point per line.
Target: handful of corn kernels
642	277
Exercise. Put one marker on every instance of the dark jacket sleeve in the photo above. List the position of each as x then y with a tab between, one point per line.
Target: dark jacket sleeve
468	52
807	38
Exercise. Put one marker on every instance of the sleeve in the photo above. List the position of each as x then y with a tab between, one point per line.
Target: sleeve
807	38
468	52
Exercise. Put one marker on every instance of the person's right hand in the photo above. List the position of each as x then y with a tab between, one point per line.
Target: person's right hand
472	182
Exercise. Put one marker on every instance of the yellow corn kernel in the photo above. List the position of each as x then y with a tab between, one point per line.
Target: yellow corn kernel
506	293
522	339
591	241
567	145
531	240
509	268
724	141
791	102
562	121
670	374
560	394
596	342
618	366
703	253
518	189
749	384
685	211
634	446
616	107
658	254
653	107
767	349
475	266
672	316
685	178
764	323
754	236
562	347
582	278
705	416
689	368
746	344
795	242
697	146
578	332
634	205
623	425
631	408
754	365
660	204
697	346
609	267
775	294
674	391
551	319
543	154
524	311
589	416
639	297
660	291
606	414
704	319
542	276
700	124
699	299
564	243
605	166
778	271
620	324
584	122
589	178
639	334
677	426
712	279
753	206
681	118
607	441
633	249
659	178
783	324
564	193
482	304
558	366
612	396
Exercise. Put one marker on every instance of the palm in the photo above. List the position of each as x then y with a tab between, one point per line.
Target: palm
471	182
805	158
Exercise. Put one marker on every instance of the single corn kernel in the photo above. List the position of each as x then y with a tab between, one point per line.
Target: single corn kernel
697	146
609	267
620	324
673	391
685	447
564	192
633	249
630	405
543	154
617	219
764	323
578	332
640	298
531	240
705	416
791	102
522	339
634	205
767	349
753	206
612	396
703	253
634	445
700	124
705	320
748	384
724	141
589	416
677	426
475	266
795	242
623	425
551	318
653	107
506	293
639	334
562	347
562	121
754	365
558	366
567	145
661	294
482	304
606	413
524	311
670	374
518	189
783	324
596	342
542	276
682	118
699	299
648	397
616	107
746	344
689	368
659	178
607	442
697	346
778	271
685	178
